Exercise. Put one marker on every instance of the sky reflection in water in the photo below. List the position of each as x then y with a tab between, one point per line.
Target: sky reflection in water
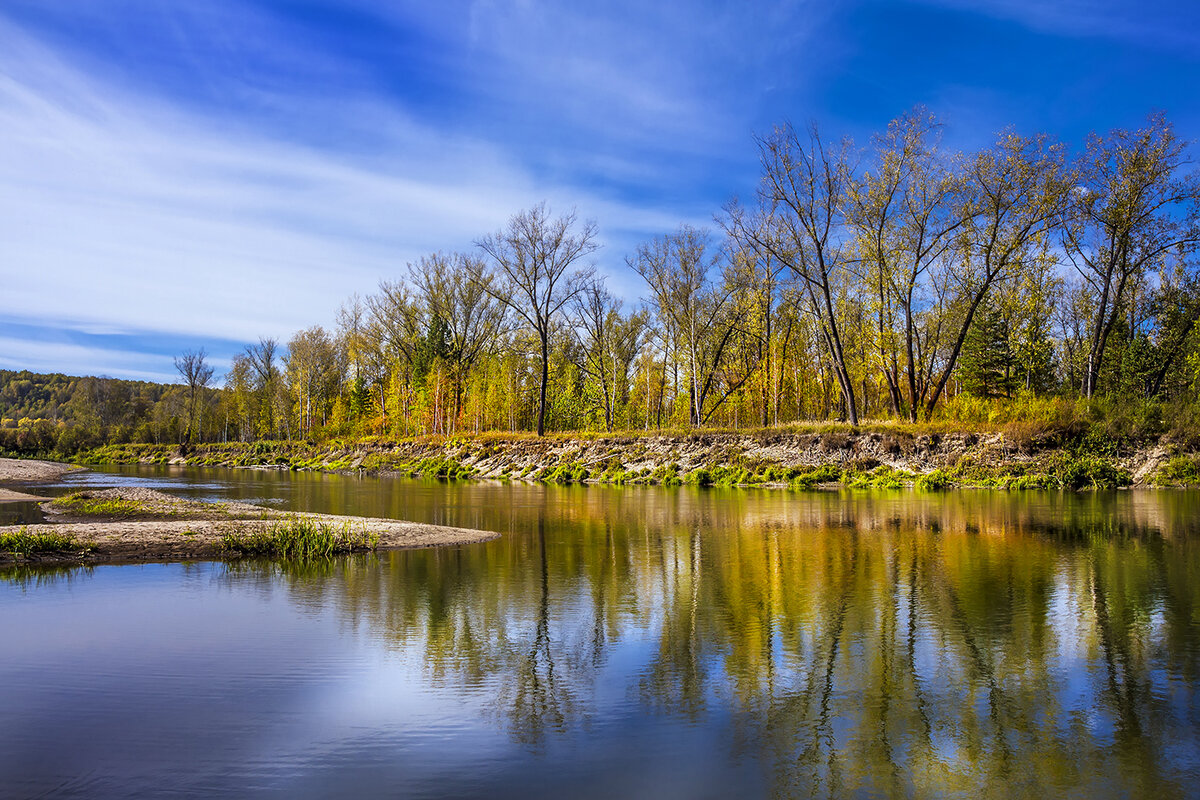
668	642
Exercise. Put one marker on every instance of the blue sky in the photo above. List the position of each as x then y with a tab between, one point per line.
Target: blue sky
179	174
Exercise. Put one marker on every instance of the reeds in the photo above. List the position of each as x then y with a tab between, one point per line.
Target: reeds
22	543
300	538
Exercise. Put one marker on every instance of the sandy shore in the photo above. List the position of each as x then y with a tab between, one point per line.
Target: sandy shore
166	528
22	471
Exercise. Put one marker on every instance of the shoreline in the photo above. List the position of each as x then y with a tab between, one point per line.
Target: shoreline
858	458
138	525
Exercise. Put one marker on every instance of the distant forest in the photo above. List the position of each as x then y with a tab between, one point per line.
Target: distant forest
895	281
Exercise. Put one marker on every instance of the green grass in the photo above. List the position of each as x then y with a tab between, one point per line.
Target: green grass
297	537
1179	471
84	505
23	543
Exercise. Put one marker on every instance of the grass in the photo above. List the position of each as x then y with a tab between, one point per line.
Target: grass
84	505
23	543
297	537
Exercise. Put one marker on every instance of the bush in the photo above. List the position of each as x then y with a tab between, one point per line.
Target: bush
935	481
1179	471
1092	472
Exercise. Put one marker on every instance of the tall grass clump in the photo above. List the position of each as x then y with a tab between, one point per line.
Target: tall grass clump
22	543
301	538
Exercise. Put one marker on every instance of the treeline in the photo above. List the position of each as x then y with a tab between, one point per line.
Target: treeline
898	281
42	413
881	283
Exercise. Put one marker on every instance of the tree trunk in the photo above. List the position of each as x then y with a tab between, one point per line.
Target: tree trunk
541	422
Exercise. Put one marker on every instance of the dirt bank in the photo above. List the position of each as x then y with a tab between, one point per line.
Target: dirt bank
127	525
1025	456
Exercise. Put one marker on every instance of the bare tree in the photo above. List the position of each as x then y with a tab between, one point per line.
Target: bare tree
534	272
800	221
1130	209
197	375
610	341
455	289
704	315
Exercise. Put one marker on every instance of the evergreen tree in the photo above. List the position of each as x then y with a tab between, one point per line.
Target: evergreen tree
985	367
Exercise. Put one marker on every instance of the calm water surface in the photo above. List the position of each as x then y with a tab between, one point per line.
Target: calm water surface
625	642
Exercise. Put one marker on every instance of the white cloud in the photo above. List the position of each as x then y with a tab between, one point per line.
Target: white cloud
120	211
77	359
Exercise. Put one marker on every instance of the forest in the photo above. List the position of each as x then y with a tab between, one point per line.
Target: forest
897	281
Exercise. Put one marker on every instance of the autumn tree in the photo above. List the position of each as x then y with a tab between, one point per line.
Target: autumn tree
800	221
699	297
314	368
906	210
610	343
535	271
455	290
1015	193
197	375
1130	208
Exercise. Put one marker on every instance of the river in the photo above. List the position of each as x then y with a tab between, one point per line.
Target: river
640	641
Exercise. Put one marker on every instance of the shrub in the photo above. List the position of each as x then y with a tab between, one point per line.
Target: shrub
1092	472
1179	471
935	481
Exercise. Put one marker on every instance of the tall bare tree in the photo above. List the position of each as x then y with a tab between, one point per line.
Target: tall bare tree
801	222
535	271
197	376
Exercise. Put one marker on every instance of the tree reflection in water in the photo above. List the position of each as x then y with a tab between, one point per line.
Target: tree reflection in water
899	644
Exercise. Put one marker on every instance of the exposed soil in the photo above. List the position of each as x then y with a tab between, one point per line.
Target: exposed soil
166	528
19	470
517	457
11	496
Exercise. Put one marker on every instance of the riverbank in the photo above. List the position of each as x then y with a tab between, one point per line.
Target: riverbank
136	524
20	472
883	457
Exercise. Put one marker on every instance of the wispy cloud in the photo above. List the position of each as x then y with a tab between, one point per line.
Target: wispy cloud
1157	23
124	211
78	359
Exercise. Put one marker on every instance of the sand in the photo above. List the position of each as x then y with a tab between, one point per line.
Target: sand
167	528
19	470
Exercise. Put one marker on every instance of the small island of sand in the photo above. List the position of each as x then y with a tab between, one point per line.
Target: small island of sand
138	524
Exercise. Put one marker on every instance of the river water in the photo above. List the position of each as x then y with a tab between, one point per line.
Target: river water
639	642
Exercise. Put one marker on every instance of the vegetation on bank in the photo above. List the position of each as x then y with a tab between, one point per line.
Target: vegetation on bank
929	458
300	538
83	504
22	543
1017	284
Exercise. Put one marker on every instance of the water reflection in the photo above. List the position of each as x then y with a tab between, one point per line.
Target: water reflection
896	645
970	644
